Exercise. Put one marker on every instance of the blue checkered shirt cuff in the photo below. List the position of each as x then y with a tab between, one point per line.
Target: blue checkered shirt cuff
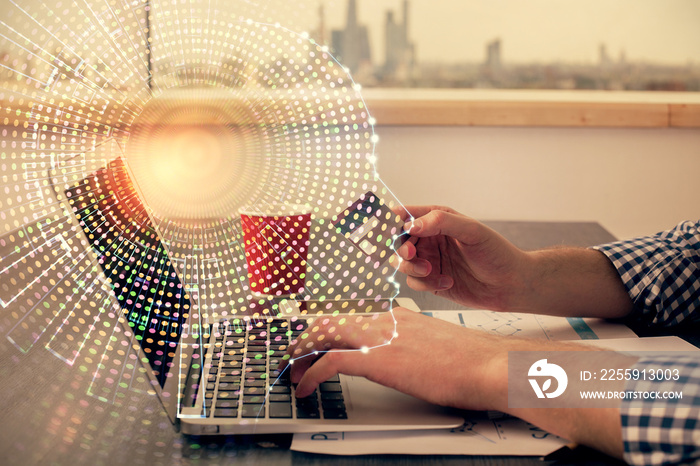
663	431
661	274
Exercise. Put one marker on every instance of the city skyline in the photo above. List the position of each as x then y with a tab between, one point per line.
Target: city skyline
400	67
538	30
387	43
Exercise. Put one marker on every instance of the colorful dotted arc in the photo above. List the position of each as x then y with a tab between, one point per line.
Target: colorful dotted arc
146	149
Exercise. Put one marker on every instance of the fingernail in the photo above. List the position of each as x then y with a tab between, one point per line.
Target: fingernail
414	226
420	269
445	283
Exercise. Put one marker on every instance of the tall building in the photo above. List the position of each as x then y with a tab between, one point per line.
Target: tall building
351	45
603	57
400	51
319	34
493	55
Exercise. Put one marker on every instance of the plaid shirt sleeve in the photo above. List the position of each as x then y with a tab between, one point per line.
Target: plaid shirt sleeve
661	274
663	431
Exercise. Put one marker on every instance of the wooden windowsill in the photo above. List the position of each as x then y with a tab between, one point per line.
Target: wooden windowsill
475	107
469	107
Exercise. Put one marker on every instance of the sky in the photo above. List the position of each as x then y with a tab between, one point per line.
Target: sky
454	31
663	31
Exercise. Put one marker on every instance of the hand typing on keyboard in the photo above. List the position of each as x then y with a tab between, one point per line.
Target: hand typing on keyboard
428	358
439	362
243	380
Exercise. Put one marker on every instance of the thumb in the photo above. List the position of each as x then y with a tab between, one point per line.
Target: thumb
438	222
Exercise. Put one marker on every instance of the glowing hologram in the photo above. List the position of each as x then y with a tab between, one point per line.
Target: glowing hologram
134	134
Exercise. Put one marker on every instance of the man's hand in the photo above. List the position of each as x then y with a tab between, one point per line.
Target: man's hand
404	350
441	363
460	259
425	357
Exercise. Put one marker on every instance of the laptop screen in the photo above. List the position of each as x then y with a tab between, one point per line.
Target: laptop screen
134	262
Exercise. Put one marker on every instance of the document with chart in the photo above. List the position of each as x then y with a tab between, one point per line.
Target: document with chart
551	328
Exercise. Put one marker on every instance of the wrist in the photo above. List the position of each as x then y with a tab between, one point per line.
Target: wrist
526	284
572	282
495	382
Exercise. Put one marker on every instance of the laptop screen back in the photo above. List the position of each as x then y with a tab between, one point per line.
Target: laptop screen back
134	262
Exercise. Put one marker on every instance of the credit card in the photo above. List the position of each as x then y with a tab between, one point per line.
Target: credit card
372	227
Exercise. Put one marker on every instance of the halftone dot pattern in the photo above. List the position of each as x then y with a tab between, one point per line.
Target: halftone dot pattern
134	137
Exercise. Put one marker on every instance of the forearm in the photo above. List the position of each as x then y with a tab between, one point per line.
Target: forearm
598	428
646	430
573	282
594	423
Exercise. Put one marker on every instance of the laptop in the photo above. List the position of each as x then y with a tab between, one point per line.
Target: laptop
218	376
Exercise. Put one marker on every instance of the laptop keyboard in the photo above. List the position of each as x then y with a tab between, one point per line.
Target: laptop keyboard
242	380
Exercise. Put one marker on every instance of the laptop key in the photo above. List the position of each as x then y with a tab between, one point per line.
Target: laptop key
253	399
256	362
233	357
255	383
230	378
281	376
334	396
275	362
280	389
226	412
310	400
228	395
226	404
280	410
335	414
275	398
254	391
253	411
330	387
229	386
308	412
333	405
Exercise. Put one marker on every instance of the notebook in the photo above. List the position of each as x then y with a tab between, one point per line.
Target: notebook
219	377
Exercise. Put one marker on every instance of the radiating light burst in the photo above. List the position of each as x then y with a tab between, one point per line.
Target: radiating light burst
133	135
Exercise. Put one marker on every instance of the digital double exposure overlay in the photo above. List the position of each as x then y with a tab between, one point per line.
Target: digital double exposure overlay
135	134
